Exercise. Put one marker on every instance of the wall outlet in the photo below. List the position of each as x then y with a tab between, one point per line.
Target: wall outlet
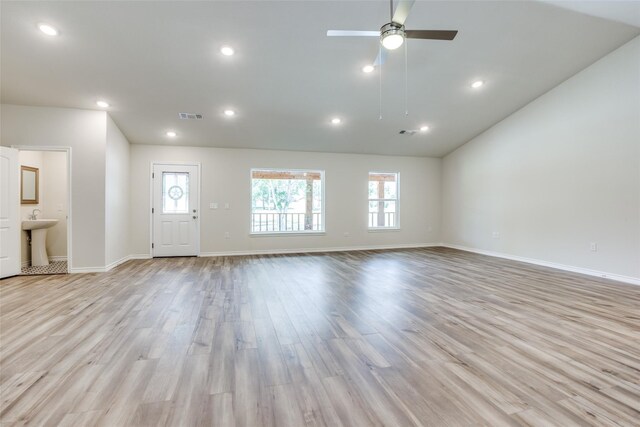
346	234
226	235
495	235
429	228
213	206
593	246
226	205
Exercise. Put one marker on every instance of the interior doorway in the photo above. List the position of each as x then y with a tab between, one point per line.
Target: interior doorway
45	210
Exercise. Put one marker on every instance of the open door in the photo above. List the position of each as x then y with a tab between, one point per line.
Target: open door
9	213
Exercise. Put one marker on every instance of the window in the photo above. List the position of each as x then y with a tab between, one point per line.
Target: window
175	192
383	200
287	201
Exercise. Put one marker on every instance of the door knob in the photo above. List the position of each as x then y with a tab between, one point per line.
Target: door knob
195	217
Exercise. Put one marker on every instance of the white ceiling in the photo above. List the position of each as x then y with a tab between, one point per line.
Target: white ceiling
627	12
152	60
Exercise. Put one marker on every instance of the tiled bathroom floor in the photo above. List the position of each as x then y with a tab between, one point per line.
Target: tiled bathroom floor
56	267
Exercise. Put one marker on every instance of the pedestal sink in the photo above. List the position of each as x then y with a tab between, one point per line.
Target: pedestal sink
38	228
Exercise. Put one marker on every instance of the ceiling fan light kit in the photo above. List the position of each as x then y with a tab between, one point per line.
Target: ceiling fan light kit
392	35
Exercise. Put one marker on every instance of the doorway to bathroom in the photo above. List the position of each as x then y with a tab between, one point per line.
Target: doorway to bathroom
45	210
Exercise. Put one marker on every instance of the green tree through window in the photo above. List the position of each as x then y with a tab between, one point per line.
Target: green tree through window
286	201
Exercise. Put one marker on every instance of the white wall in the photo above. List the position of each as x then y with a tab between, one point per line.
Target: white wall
85	132
561	173
225	179
117	194
53	178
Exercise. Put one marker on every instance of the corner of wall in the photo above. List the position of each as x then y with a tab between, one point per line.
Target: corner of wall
117	194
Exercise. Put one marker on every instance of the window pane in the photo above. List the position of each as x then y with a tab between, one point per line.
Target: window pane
286	201
382	214
175	192
373	189
390	190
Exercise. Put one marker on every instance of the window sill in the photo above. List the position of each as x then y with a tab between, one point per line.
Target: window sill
287	233
378	230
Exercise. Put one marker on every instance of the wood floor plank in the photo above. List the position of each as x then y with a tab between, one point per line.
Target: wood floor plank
350	408
417	337
221	361
272	366
217	410
247	408
311	396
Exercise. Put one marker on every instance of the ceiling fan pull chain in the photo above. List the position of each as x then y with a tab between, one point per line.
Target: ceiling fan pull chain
406	80
380	83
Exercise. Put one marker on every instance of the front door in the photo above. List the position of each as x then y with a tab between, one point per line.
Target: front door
9	213
175	210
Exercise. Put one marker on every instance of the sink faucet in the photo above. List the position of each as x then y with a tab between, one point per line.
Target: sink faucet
34	215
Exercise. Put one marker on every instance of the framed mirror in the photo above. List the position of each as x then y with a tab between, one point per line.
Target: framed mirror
29	185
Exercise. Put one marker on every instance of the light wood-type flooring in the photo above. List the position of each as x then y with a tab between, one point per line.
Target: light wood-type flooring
427	337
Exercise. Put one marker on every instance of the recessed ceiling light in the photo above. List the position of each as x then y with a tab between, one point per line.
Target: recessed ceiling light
229	113
227	50
477	84
102	104
171	134
48	29
368	68
424	128
336	121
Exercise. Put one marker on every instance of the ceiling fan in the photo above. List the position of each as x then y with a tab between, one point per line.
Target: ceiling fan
392	34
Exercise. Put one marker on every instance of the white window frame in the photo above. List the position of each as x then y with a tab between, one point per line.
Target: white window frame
287	233
397	200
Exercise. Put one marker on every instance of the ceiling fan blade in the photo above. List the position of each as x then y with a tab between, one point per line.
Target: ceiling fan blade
381	58
402	11
431	34
348	33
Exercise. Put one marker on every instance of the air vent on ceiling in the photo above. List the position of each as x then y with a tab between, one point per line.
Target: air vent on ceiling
407	132
190	116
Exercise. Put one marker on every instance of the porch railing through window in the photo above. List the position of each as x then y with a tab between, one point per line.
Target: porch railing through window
375	219
264	222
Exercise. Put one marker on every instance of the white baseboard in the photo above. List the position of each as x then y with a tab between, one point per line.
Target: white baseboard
75	270
139	256
256	252
116	263
589	272
317	250
108	266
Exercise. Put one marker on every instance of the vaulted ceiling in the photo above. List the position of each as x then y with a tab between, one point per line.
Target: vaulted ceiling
287	80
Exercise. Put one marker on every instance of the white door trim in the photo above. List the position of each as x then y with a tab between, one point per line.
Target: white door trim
152	164
10	225
66	150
